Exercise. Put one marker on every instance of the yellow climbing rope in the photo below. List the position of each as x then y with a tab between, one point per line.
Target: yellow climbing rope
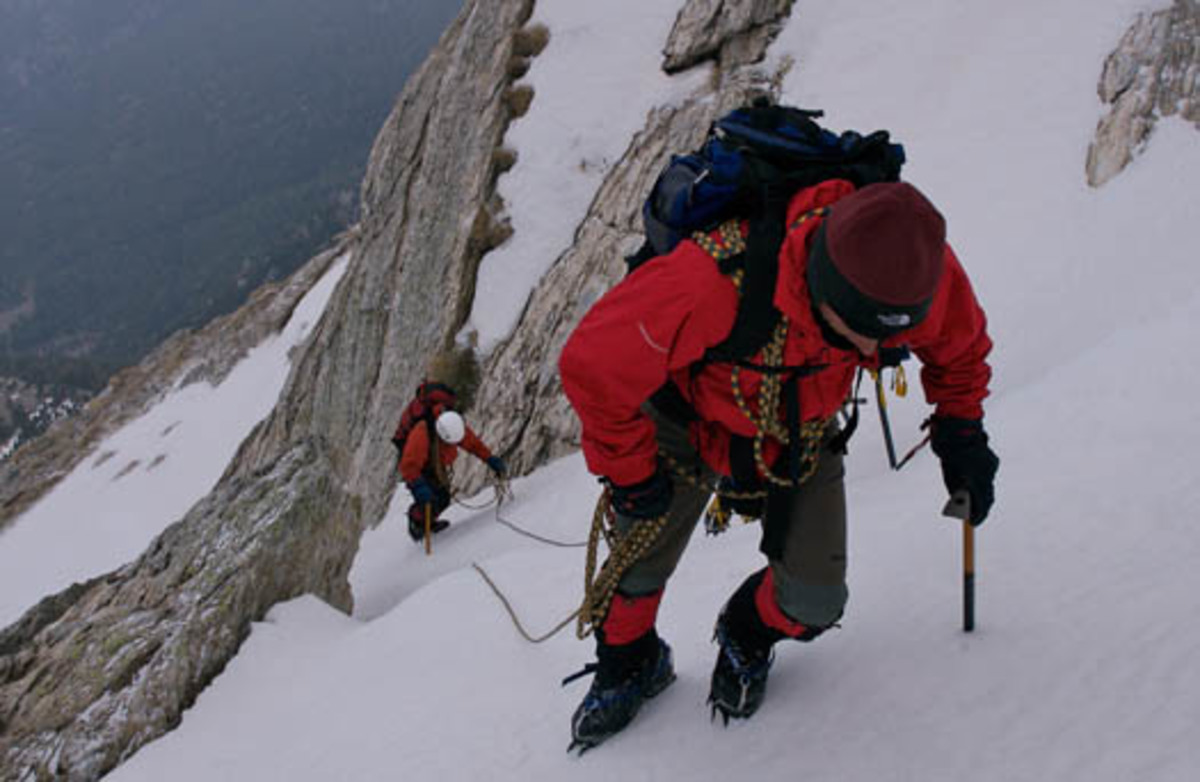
623	550
767	420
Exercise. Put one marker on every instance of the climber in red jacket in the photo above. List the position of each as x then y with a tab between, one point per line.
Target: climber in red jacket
426	461
861	272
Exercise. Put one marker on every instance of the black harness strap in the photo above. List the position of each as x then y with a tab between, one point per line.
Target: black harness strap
791	393
838	443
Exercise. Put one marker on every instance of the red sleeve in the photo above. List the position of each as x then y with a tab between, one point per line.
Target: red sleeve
953	345
416	453
660	318
474	445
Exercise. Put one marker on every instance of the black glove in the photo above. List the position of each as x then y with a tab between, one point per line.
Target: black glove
422	492
967	462
496	464
646	500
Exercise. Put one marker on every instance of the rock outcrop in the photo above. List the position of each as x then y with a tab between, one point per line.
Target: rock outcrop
93	673
730	33
1153	73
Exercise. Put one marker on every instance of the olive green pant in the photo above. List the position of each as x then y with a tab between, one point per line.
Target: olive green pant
810	567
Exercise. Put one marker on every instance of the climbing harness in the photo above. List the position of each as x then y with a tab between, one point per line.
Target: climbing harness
802	439
718	515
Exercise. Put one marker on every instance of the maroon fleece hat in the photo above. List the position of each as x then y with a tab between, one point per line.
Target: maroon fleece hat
877	258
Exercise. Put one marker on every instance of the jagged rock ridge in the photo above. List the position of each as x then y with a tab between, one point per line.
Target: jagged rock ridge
1154	72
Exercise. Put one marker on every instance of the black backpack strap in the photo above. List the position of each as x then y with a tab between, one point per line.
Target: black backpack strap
644	253
756	316
743	467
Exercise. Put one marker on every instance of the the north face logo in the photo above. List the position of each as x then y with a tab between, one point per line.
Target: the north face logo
896	320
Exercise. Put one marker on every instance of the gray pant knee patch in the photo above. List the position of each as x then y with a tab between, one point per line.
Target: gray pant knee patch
812	605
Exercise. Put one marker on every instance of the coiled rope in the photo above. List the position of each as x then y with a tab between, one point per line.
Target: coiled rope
623	550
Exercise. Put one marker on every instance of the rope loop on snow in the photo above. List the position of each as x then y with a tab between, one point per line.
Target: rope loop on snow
513	614
503	494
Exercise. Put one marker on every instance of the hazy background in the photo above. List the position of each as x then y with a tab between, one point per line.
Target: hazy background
160	159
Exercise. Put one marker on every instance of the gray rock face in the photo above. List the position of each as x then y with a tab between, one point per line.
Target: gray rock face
1154	72
731	32
428	215
91	674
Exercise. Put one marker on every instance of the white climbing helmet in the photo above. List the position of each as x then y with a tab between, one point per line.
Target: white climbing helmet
450	427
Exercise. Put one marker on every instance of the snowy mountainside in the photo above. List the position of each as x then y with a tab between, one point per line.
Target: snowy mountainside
1079	667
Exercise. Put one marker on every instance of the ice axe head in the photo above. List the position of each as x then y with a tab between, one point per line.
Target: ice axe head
958	506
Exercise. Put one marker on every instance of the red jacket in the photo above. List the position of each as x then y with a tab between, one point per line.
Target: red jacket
659	320
415	459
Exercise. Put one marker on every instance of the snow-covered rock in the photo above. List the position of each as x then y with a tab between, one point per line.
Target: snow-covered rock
1154	72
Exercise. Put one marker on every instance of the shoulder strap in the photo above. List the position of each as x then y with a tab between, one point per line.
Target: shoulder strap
757	317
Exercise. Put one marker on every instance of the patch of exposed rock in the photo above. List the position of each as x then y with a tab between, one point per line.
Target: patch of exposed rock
1154	72
89	675
730	32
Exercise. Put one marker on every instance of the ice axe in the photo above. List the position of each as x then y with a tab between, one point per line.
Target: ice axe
959	507
428	529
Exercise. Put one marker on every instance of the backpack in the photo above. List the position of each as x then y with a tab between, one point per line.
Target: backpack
752	162
428	397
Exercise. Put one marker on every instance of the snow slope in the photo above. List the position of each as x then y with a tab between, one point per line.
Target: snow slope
149	473
1082	665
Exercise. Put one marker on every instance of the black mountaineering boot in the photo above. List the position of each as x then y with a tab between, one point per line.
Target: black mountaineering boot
416	529
626	675
739	679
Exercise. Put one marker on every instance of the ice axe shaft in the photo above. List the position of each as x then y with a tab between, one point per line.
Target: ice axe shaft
968	577
428	529
881	400
959	507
